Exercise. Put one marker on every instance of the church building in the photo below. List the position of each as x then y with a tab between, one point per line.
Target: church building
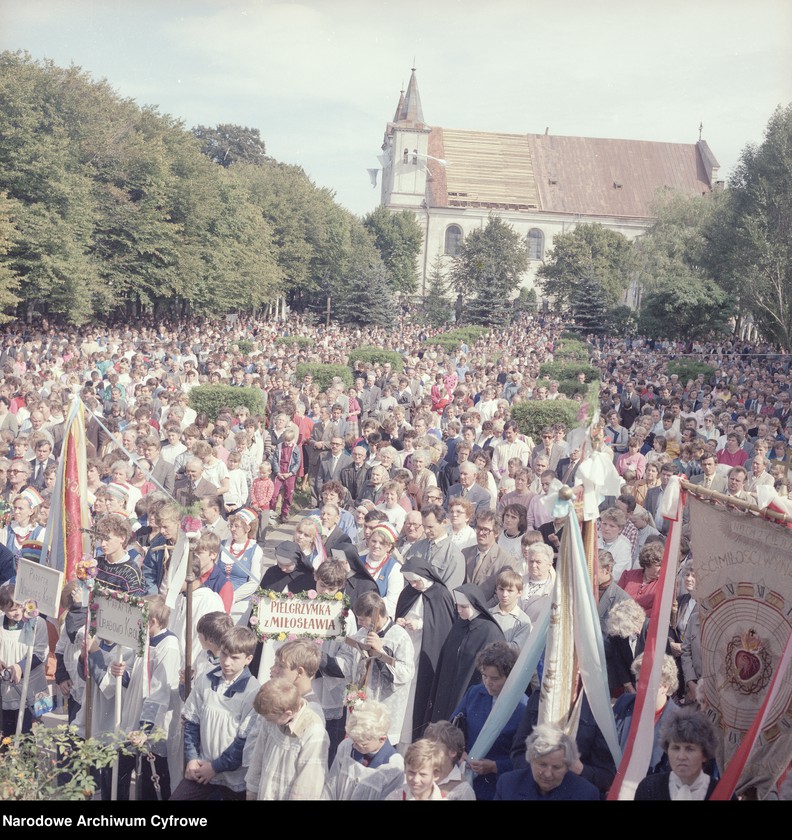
541	184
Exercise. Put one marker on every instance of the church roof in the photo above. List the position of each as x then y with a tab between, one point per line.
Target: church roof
554	174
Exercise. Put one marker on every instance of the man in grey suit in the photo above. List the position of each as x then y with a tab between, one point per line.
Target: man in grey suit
485	560
332	463
468	489
162	472
709	478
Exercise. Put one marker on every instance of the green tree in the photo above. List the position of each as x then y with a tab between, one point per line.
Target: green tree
365	296
590	252
526	301
398	238
487	270
690	308
759	218
437	309
227	144
8	280
590	308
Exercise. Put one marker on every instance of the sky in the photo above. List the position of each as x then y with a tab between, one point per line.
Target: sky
320	79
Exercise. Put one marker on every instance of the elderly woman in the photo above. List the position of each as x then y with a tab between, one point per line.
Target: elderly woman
539	576
550	754
424	477
689	741
495	663
641	584
625	637
460	513
384	566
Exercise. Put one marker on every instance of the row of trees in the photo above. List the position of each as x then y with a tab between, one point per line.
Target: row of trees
108	209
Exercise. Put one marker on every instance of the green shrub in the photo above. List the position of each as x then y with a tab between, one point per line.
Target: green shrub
376	356
687	369
452	339
568	335
245	346
533	415
568	370
209	399
303	342
571	350
570	387
323	374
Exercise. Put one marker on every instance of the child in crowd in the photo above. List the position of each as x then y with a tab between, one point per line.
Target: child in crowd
423	763
237	494
297	662
68	676
260	498
387	681
514	623
288	757
218	717
366	765
329	684
150	694
452	775
14	646
117	569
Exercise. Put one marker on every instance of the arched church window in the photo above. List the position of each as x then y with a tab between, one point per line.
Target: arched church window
406	156
453	240
535	243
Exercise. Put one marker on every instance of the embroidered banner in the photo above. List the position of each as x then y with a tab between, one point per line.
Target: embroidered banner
744	592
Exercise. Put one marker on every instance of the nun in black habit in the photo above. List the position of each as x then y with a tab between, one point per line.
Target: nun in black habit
427	611
456	671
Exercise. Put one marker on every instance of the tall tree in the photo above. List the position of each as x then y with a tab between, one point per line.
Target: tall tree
589	252
8	280
759	215
685	308
437	309
398	238
227	144
365	295
487	270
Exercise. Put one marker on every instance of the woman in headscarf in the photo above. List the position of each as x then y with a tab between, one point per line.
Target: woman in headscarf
456	670
426	610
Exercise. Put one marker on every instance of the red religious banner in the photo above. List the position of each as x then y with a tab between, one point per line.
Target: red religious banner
744	596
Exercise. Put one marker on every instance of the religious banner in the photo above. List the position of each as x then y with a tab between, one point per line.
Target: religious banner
744	593
66	537
119	617
40	584
282	616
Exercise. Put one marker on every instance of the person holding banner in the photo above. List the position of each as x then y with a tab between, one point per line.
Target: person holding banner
15	642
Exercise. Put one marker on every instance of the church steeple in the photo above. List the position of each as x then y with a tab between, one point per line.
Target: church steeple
399	106
410	110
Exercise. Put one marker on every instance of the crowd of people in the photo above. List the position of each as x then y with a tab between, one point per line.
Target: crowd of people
427	508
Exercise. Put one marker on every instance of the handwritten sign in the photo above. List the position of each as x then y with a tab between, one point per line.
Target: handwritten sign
300	615
119	622
40	584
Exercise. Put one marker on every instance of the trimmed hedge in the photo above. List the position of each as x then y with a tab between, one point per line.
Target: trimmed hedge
572	350
570	387
687	369
568	370
245	346
533	415
376	356
323	374
452	339
303	342
209	399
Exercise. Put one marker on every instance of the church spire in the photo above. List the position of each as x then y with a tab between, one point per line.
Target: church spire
399	106
410	109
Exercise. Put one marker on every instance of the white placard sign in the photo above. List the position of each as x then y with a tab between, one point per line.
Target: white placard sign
40	584
301	616
119	622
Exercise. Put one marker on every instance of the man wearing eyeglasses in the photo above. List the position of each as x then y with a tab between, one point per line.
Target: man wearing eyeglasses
18	478
485	560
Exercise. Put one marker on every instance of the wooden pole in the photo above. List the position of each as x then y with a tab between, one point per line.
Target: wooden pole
714	495
188	594
25	683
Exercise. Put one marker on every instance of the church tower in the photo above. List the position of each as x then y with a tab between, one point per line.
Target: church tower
404	153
